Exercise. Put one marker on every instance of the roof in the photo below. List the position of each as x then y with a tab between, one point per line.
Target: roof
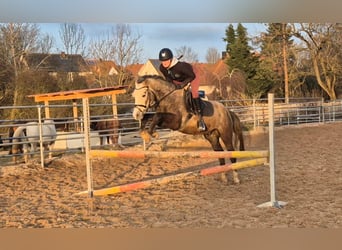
102	67
56	62
78	94
150	67
134	68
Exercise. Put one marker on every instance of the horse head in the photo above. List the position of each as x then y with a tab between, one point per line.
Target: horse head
149	91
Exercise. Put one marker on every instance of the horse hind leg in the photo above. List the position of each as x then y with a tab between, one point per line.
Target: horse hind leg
228	142
214	139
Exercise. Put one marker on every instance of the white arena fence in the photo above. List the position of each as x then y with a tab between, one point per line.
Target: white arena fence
70	137
254	113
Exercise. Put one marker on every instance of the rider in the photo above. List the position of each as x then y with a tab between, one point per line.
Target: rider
180	74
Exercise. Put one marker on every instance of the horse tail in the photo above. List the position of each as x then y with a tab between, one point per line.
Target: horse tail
17	136
237	129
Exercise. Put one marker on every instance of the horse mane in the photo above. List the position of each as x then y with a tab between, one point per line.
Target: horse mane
146	77
154	77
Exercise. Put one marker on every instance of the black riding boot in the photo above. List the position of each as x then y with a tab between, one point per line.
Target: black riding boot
198	111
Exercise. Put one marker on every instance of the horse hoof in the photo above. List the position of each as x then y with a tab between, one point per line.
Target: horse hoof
155	135
224	178
145	136
237	182
236	178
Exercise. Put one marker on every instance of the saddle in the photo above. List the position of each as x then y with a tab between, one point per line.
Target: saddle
189	102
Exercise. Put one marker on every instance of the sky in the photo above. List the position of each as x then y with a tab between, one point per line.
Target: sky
155	36
198	24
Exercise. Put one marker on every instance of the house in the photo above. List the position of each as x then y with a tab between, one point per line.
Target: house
102	68
57	63
105	73
151	67
134	69
206	78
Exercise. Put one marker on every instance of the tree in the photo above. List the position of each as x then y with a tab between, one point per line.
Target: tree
102	47
187	54
121	45
212	56
322	42
16	40
276	53
45	44
127	49
240	56
230	38
73	38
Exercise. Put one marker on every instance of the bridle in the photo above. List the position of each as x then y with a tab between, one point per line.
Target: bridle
140	106
156	101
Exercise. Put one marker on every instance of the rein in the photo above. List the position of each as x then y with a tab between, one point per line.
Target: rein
162	98
157	102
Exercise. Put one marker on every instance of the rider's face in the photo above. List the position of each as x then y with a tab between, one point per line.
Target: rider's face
166	63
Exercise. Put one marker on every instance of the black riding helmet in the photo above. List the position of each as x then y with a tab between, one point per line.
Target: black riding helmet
165	54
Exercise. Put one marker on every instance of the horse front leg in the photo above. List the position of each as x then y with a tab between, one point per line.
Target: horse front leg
27	152
50	148
214	139
143	131
146	134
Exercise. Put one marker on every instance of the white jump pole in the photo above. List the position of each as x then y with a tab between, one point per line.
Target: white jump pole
273	202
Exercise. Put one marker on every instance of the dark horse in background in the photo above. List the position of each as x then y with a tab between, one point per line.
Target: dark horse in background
172	112
108	130
9	138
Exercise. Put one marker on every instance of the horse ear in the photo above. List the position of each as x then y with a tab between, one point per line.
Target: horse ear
140	79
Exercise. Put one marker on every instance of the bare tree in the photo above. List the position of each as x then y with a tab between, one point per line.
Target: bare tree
212	56
120	45
188	54
231	85
102	47
16	40
73	38
323	44
127	49
45	44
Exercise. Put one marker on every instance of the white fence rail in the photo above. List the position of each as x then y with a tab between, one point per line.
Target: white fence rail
253	114
297	111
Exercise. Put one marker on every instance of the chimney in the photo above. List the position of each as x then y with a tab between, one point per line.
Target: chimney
63	55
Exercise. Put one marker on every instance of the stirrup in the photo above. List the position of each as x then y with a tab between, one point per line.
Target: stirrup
201	126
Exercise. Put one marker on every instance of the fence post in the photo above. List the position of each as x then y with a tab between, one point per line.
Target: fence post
86	136
254	115
40	127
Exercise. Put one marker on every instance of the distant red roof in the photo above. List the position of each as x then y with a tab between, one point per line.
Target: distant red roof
134	68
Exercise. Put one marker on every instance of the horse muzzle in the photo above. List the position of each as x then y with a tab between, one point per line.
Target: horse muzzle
138	112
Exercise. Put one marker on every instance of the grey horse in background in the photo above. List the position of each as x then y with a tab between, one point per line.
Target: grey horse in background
27	135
